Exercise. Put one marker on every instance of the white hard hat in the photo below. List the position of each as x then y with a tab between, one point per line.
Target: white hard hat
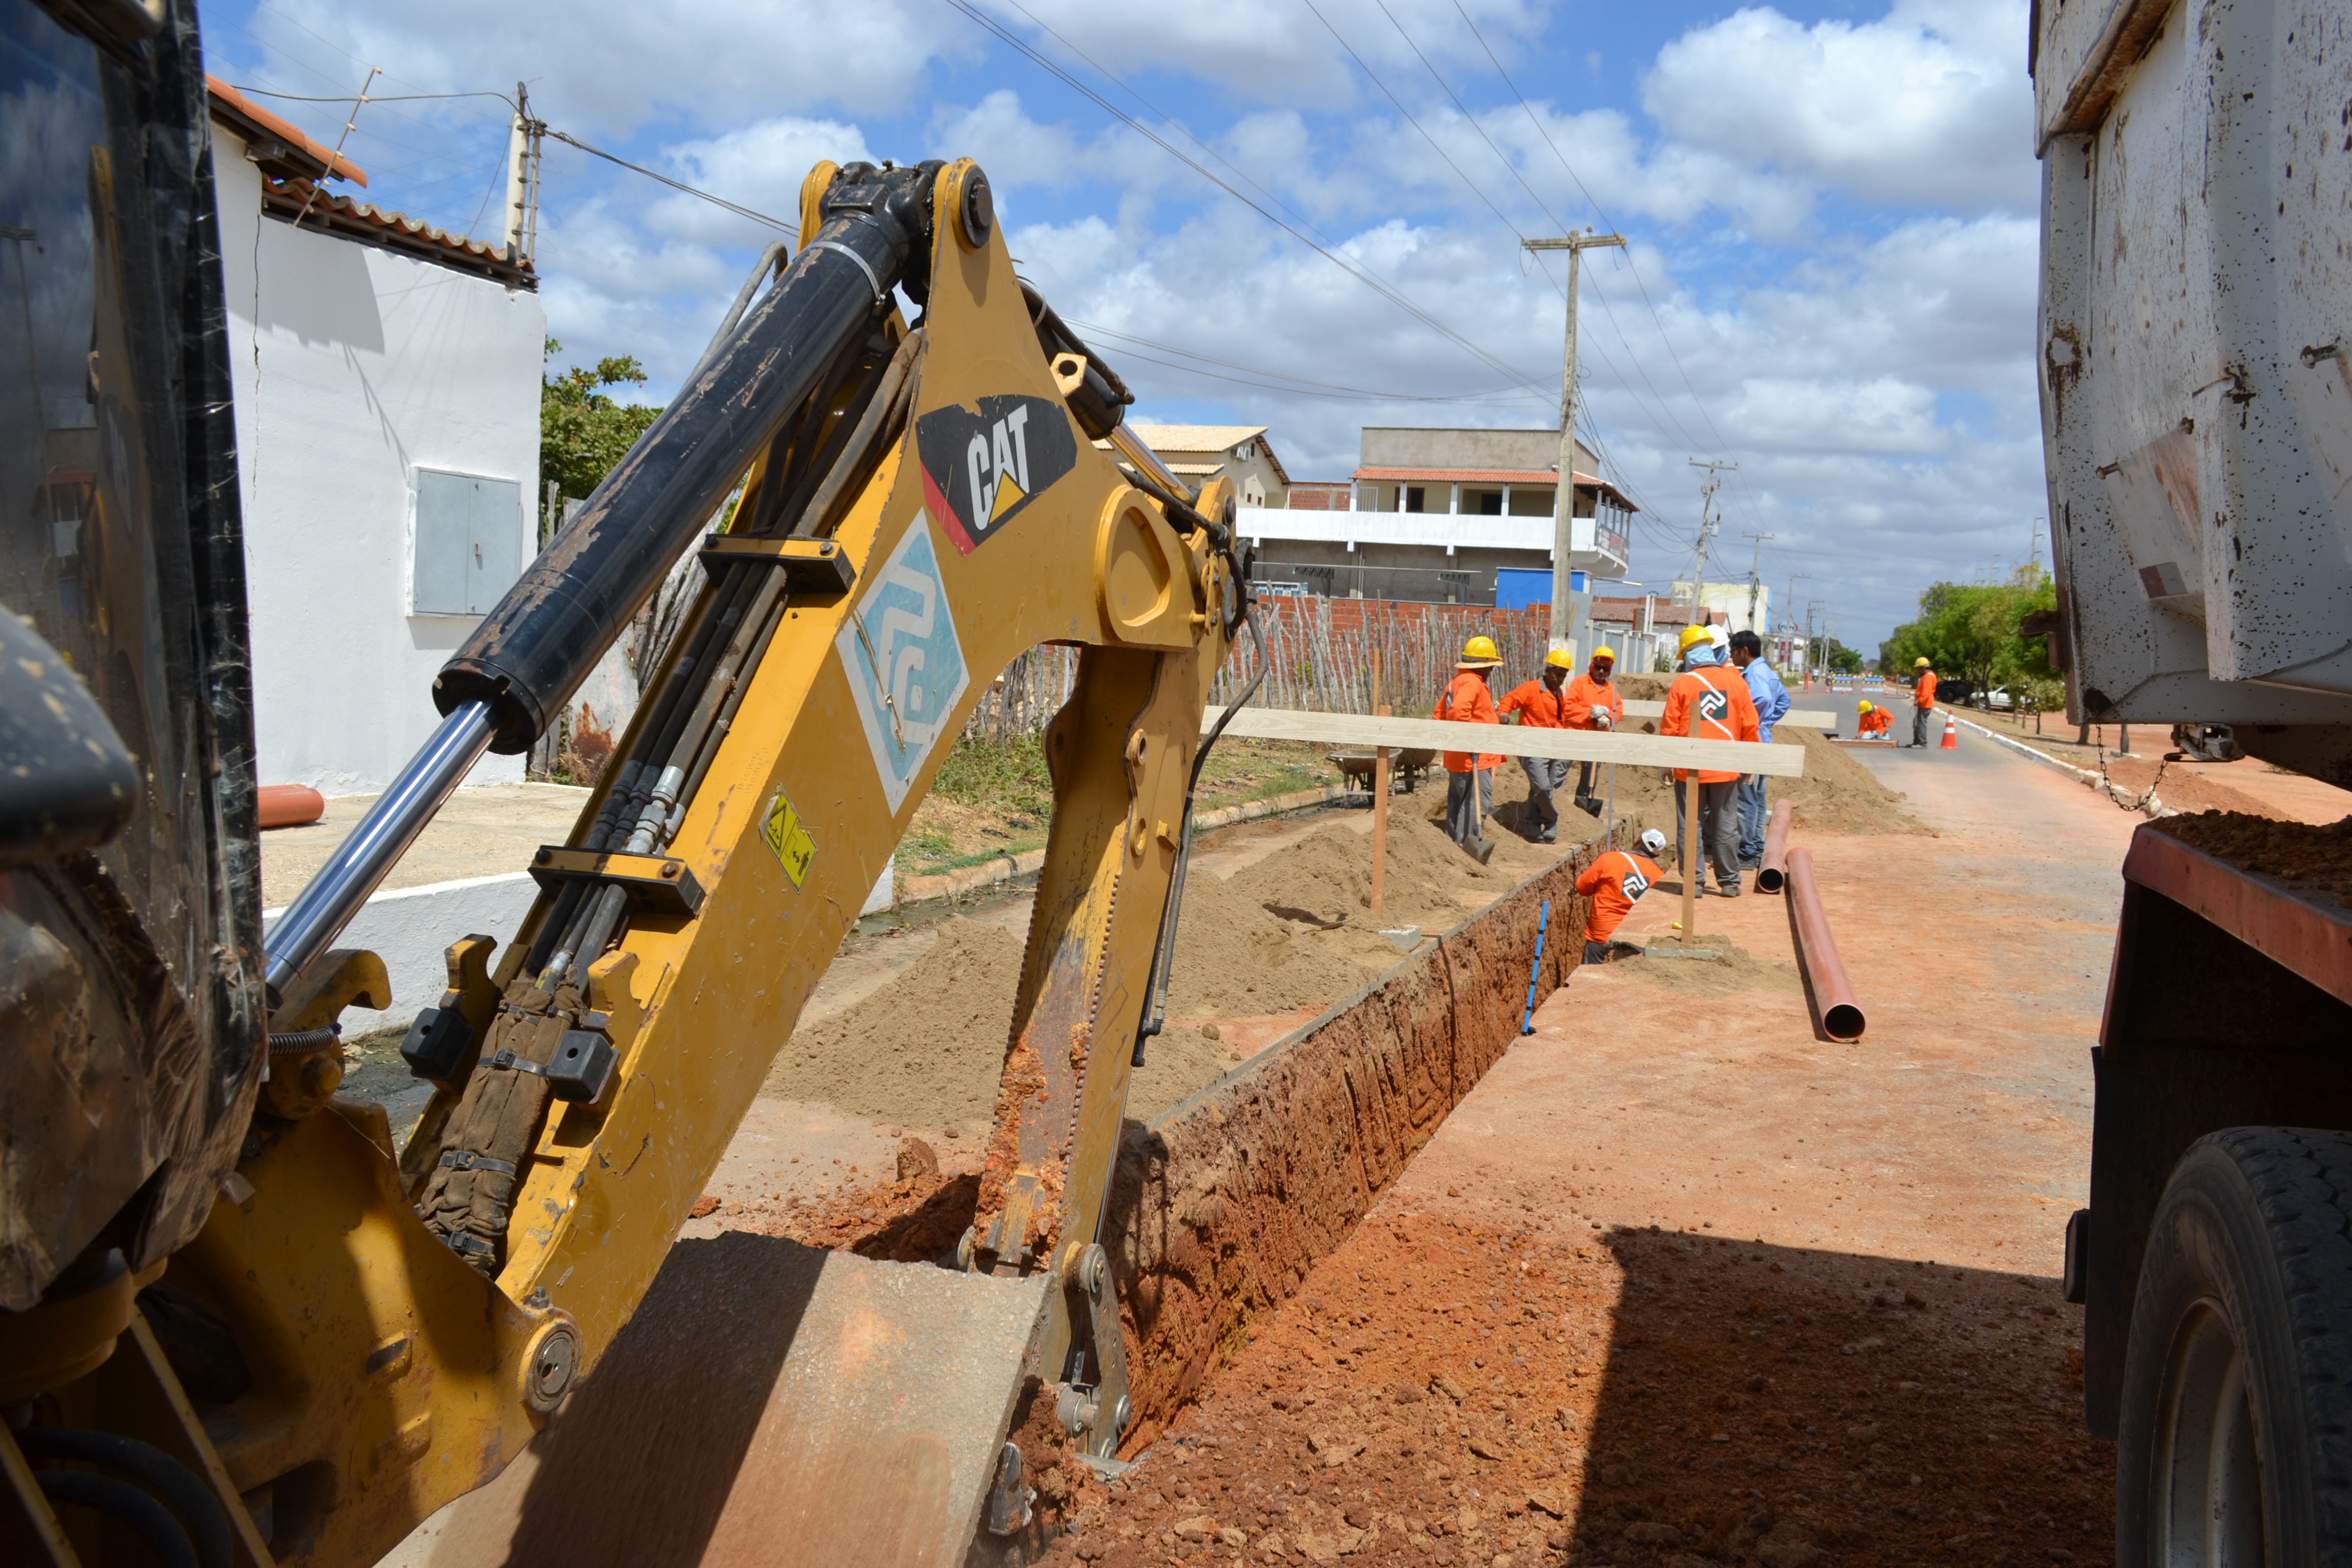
1654	843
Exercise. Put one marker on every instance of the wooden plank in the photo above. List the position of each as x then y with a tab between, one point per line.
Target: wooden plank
1804	718
1515	741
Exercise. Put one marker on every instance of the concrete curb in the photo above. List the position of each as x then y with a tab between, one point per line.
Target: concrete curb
1006	867
2121	796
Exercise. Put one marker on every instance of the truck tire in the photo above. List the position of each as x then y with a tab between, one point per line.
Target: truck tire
2236	1442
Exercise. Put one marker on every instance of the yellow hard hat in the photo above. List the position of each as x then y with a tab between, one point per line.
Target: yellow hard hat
1919	663
1480	651
1864	708
1692	636
1608	653
1558	658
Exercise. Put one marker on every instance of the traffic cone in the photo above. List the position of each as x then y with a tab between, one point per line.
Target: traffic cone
1951	733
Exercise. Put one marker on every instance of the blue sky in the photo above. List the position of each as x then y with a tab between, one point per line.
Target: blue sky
1830	209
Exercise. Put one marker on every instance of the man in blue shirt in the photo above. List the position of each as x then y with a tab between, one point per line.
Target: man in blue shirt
1771	699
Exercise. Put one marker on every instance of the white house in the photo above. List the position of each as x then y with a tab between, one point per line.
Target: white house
387	382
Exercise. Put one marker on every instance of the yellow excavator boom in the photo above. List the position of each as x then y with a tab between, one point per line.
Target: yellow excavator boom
927	502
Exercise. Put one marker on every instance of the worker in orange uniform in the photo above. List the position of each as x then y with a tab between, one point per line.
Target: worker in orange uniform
1614	883
1875	723
1709	701
1470	777
1537	705
1594	702
1923	702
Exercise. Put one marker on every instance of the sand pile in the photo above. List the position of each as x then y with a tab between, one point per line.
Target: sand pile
1293	931
1836	795
1734	968
926	1050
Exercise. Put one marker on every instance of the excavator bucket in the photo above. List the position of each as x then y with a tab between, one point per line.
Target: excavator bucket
771	1404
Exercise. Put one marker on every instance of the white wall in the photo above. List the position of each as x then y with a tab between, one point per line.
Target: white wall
353	366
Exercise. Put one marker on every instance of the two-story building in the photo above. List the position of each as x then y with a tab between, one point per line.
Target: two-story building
1432	515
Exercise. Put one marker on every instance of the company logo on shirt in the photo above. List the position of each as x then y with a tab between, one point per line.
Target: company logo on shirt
1636	884
1713	707
981	468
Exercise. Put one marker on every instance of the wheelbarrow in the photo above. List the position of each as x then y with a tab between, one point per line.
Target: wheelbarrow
1407	762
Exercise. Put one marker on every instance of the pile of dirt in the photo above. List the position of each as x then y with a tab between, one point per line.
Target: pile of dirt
1443	1393
2312	856
1733	968
926	1050
1835	794
1293	931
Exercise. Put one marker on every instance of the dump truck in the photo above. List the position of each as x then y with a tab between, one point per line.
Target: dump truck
2195	367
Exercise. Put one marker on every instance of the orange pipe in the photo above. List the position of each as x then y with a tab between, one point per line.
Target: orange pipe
1841	1016
289	805
1774	871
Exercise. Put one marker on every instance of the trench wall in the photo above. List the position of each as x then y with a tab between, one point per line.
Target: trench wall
1221	1206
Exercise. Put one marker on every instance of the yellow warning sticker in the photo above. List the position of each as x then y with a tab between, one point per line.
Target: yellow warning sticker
789	838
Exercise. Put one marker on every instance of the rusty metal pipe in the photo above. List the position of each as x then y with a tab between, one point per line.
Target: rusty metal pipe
1774	871
1841	1016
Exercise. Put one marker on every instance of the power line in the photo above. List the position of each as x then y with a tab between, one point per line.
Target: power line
1301	382
791	231
1537	121
1362	275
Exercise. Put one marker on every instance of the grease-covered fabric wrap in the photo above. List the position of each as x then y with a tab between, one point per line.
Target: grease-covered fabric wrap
469	1195
130	1009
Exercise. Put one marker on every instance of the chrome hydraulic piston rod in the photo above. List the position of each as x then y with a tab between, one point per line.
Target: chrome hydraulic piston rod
359	862
530	653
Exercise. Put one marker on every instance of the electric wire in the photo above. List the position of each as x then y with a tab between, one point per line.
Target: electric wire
1282	381
1014	40
1657	320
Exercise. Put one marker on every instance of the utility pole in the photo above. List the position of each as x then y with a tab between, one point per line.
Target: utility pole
1709	525
1563	512
1754	586
523	137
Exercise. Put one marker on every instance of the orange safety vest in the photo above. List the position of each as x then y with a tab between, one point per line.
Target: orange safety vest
1924	694
1537	705
1469	701
1877	722
1612	883
1710	703
1585	694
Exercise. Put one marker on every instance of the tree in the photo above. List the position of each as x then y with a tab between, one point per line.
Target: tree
1971	632
582	431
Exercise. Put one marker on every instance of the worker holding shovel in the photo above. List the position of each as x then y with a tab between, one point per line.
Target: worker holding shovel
1470	777
1537	704
1594	702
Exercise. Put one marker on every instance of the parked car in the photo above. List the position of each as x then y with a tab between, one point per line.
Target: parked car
1996	700
1953	692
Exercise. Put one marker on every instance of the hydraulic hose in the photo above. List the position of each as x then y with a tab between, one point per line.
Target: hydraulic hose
532	651
1163	956
194	1508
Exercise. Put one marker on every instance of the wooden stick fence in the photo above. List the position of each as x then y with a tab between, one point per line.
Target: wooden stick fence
1322	655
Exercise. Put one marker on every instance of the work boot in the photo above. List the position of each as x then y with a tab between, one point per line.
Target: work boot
1550	833
1727	890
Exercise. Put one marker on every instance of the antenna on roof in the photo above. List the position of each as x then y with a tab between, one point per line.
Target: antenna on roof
523	139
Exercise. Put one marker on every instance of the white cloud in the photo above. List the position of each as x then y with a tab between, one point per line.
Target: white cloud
605	66
759	166
1929	106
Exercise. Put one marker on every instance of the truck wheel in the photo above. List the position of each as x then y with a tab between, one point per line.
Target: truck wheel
2236	1442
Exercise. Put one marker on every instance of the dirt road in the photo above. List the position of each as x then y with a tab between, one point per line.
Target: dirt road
1681	1281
